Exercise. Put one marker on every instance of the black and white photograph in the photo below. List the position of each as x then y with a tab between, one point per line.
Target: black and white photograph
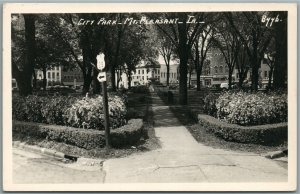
150	97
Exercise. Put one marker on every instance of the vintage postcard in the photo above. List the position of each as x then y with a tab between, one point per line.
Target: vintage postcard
150	97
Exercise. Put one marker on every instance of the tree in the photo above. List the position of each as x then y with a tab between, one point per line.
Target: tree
138	45
182	35
270	60
254	35
242	65
23	70
280	64
229	45
166	49
199	51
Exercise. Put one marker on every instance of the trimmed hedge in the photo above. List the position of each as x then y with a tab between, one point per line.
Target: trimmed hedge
270	134
88	139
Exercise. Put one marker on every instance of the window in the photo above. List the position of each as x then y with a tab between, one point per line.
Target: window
49	75
139	72
57	74
216	69
53	75
221	69
226	69
158	71
266	74
142	71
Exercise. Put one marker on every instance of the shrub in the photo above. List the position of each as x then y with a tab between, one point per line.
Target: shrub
89	113
41	109
54	109
252	109
270	134
70	111
88	139
28	108
209	106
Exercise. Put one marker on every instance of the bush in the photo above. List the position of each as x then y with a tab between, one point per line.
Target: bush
28	108
209	106
88	139
54	109
270	134
70	111
252	109
41	109
89	113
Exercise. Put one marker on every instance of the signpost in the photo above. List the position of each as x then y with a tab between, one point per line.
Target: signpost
102	78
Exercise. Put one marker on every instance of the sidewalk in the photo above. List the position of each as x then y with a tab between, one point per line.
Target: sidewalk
183	159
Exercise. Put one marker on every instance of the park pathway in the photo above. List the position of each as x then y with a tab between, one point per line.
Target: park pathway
183	159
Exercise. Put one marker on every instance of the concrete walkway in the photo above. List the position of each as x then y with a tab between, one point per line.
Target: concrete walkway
183	159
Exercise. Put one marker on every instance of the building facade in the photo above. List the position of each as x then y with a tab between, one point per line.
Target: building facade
53	75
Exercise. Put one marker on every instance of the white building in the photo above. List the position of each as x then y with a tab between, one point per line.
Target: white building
173	77
53	75
149	71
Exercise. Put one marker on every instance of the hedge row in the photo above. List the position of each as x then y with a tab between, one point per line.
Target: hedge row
88	139
271	134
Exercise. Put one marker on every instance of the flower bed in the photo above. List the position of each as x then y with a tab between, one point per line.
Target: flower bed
88	139
269	134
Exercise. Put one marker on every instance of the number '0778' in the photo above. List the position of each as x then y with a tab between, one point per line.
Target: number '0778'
270	20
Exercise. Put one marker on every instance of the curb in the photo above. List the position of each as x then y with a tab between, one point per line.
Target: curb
276	154
58	155
44	151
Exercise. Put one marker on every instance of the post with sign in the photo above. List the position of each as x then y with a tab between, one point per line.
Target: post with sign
102	78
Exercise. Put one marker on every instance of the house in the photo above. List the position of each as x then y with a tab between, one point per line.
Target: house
59	76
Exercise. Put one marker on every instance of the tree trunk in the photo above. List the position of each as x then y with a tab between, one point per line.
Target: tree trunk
230	70
198	72
270	78
34	82
129	80
183	56
24	82
44	77
168	74
255	64
280	65
113	77
96	83
87	80
119	78
190	77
